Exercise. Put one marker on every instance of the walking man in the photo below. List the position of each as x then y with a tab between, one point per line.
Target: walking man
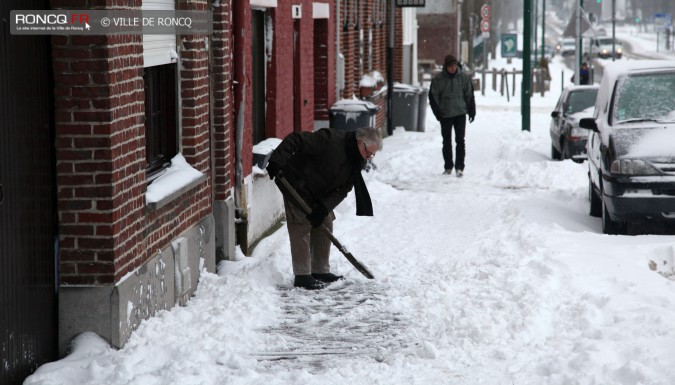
322	167
451	99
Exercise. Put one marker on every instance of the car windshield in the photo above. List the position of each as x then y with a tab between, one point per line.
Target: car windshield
606	41
581	100
649	96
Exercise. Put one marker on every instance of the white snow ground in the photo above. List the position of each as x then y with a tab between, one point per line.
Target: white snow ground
499	277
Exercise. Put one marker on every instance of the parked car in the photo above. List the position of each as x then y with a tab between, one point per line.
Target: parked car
566	47
568	140
631	145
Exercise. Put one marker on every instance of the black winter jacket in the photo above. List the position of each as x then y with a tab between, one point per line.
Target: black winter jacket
323	166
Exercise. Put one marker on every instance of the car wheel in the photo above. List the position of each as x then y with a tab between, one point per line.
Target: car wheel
596	204
555	154
610	226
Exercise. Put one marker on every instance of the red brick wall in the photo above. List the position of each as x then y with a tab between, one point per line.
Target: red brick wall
242	68
304	100
372	15
105	231
348	42
398	46
223	150
288	70
436	36
281	73
324	64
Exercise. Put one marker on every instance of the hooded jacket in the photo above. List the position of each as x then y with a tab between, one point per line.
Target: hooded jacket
451	95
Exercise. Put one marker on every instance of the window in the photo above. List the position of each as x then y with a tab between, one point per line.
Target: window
161	95
161	130
581	100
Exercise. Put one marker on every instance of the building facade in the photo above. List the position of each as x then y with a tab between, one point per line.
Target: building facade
131	164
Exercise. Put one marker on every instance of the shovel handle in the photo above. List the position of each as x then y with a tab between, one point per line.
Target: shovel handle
306	209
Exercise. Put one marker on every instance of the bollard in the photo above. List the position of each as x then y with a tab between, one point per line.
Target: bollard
482	89
494	79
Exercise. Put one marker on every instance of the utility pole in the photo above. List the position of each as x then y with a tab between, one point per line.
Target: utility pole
536	27
613	30
459	30
543	26
577	63
527	70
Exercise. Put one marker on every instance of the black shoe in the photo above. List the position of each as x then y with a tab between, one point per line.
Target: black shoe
327	277
308	282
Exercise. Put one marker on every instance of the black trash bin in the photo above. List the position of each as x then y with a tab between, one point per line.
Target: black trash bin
405	106
350	114
422	109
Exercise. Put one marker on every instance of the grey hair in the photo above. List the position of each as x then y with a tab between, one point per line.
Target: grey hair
370	135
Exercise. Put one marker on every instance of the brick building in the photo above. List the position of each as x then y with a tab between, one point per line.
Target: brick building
145	153
437	33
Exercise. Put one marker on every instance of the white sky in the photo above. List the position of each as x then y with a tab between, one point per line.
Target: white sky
499	277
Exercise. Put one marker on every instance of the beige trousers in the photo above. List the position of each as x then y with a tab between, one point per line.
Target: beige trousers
310	248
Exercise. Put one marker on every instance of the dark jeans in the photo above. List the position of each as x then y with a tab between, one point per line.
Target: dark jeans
459	124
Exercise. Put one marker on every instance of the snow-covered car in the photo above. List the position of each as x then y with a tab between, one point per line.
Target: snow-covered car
568	140
566	47
631	145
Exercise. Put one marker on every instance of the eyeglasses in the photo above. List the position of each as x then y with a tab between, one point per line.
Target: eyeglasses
369	155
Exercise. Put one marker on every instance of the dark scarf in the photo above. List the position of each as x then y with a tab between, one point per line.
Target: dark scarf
364	206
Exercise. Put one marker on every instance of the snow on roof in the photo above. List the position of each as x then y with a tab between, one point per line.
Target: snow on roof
582	87
615	69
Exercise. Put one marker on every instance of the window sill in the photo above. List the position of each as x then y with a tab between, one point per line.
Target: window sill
176	181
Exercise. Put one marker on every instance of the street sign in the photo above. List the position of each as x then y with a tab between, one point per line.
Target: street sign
485	25
410	3
486	11
509	45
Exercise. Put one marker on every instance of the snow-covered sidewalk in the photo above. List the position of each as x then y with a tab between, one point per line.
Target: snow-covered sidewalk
499	277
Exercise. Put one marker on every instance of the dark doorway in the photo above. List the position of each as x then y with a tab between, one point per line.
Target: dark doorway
321	69
258	81
297	92
27	201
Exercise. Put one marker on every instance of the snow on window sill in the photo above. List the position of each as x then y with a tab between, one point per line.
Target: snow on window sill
176	180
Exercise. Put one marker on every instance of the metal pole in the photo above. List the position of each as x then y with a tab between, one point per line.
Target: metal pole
338	30
459	30
577	63
390	69
526	91
613	30
471	58
536	27
543	26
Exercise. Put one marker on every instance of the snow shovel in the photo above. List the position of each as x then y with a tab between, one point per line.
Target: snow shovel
295	198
